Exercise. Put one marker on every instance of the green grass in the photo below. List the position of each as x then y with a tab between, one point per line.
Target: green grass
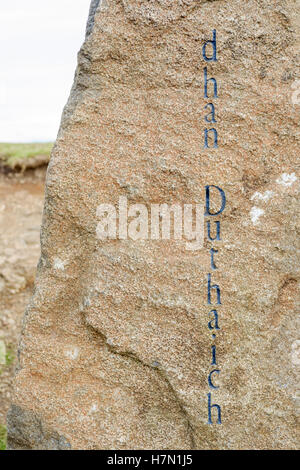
9	360
2	437
10	154
9	357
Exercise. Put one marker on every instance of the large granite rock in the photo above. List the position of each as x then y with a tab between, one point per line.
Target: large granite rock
116	349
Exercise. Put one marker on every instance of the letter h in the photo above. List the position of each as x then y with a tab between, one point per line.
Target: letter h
209	288
206	80
210	406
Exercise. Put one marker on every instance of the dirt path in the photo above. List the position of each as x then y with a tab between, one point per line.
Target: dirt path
21	204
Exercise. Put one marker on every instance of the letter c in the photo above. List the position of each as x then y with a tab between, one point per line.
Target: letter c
215	371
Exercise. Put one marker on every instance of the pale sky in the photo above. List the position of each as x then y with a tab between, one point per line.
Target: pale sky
38	54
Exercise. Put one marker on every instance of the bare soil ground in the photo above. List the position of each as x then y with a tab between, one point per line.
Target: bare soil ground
21	205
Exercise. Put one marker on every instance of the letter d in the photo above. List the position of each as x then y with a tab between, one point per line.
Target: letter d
214	45
223	201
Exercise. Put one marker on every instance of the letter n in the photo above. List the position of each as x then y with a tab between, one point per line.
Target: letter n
215	137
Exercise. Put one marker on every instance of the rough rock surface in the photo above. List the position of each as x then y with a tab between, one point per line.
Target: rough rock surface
115	351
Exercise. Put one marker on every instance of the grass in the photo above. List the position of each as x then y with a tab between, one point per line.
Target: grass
9	359
2	437
12	155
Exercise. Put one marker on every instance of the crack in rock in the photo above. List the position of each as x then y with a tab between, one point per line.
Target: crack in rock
131	355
